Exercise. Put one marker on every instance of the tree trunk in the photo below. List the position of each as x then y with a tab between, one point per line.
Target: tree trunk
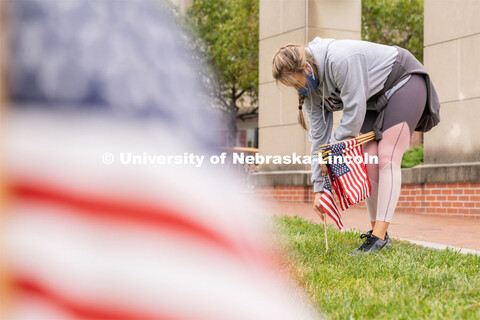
232	137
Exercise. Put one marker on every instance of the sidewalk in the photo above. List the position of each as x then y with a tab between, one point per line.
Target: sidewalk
456	231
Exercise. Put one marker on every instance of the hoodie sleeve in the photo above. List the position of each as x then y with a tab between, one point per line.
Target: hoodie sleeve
351	78
320	130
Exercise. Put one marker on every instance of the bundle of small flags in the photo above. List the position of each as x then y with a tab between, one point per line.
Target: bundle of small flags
348	178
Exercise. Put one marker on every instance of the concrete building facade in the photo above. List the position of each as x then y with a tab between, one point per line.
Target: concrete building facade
294	21
449	181
452	48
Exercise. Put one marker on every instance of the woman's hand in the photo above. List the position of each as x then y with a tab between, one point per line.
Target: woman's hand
316	205
324	168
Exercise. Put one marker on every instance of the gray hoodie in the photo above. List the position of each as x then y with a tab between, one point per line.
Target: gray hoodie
350	72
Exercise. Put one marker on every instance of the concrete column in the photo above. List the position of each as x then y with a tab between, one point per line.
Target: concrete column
294	21
451	56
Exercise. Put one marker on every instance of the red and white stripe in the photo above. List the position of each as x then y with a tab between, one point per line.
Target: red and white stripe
342	197
327	201
355	184
85	240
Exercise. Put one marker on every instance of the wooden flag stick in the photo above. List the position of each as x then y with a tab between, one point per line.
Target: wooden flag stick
325	224
325	216
359	141
366	139
365	135
325	153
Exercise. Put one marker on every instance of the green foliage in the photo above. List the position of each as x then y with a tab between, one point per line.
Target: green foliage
394	22
412	157
227	39
403	281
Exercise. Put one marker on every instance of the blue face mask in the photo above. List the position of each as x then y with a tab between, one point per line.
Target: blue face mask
311	85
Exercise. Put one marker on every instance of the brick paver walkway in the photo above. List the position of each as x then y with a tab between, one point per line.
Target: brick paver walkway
457	231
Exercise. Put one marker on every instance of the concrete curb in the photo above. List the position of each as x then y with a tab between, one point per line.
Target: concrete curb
431	245
439	246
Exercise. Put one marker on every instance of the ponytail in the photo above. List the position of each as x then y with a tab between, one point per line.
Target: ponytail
300	117
287	61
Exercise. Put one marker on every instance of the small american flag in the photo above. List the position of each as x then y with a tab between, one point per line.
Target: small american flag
351	179
327	201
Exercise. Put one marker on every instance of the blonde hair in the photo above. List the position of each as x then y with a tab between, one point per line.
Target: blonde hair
287	61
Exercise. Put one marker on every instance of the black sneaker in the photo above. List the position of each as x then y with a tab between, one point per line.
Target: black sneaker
387	238
371	244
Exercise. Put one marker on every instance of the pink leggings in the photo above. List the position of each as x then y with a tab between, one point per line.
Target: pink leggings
402	113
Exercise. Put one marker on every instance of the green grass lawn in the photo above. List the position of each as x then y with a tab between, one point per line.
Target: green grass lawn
404	281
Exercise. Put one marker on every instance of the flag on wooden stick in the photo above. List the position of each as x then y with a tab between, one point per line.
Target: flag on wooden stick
327	201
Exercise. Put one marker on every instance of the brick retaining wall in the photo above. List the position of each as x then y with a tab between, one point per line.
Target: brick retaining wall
434	198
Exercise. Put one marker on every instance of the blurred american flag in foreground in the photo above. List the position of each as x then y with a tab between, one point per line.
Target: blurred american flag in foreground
83	239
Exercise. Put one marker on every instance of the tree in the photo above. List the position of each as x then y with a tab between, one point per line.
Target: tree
226	39
394	22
